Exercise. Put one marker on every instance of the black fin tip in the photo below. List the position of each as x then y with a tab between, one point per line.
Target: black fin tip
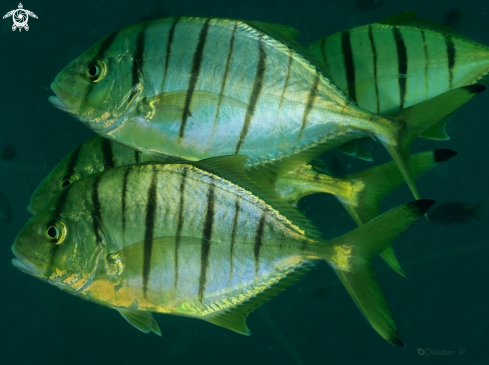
420	206
476	88
442	155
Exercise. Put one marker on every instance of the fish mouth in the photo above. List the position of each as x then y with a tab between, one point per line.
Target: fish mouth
22	264
61	97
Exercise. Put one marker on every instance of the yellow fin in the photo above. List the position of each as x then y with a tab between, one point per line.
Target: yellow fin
234	318
171	105
353	253
142	320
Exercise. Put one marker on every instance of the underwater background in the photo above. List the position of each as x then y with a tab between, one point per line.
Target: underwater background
442	310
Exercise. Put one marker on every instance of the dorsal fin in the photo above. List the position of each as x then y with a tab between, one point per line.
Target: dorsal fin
279	31
409	18
235	317
286	35
232	169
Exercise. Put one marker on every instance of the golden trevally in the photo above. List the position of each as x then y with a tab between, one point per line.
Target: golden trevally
195	239
202	87
359	193
401	61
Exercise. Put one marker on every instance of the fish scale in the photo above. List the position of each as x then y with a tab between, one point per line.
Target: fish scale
429	60
196	88
195	239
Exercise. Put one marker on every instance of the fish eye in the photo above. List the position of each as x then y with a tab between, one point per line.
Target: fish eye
67	180
55	232
96	70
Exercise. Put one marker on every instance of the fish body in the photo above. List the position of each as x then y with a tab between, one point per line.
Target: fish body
196	88
199	87
400	61
359	193
456	212
178	239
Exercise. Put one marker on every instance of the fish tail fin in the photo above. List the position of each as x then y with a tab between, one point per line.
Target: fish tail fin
351	257
373	184
410	122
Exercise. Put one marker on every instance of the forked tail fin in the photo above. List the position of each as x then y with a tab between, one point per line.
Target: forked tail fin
409	123
351	257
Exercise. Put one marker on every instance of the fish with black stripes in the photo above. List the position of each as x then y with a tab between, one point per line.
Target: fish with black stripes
196	88
401	61
359	193
196	239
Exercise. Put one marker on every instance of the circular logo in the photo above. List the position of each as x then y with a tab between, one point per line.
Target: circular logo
20	17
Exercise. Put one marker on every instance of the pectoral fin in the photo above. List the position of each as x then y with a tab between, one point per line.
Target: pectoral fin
171	105
143	321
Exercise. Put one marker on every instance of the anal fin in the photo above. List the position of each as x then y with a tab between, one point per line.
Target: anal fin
234	318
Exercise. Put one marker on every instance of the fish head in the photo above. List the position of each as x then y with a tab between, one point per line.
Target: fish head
59	178
97	86
57	246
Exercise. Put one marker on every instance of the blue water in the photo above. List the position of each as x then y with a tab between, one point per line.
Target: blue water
441	311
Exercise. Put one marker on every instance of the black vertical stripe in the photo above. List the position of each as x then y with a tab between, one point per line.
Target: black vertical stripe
374	61
426	80
402	64
234	231
97	210
151	205
104	46
194	75
226	72
206	240
108	154
323	50
311	97
137	156
181	207
286	82
254	95
138	57
106	43
260	230
70	167
169	43
60	202
451	58
349	64
124	197
138	61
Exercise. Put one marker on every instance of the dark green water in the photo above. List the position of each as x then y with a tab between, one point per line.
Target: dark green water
443	306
